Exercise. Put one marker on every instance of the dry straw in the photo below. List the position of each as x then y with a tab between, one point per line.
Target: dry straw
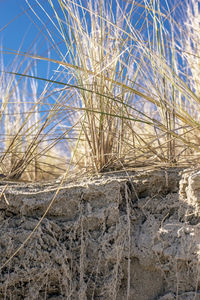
126	94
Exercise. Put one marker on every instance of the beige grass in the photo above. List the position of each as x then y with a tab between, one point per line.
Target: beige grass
122	100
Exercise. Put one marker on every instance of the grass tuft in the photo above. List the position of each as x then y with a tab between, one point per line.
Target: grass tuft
125	92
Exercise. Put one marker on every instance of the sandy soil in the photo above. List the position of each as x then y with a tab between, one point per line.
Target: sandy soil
129	236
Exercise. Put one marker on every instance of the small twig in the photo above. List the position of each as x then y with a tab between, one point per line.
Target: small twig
2	194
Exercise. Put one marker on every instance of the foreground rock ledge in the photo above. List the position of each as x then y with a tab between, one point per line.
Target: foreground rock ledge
133	236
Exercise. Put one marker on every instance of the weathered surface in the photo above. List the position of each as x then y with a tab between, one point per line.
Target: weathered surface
106	238
190	192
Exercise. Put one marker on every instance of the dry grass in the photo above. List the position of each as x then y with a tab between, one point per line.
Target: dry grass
123	99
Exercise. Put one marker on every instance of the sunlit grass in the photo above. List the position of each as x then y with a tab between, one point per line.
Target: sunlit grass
125	91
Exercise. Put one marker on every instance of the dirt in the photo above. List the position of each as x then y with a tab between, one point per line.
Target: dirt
129	236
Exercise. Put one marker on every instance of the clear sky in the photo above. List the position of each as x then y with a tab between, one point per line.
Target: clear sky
17	29
22	31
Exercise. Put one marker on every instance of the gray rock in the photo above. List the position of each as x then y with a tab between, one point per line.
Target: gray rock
116	237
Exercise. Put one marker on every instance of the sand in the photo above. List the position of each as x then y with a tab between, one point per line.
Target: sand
122	236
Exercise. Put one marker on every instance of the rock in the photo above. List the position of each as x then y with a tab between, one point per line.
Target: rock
113	237
190	192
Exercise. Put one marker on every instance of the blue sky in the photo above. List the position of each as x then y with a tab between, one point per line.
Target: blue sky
22	27
17	30
21	32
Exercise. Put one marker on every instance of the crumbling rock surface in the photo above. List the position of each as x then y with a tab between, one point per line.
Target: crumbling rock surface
129	236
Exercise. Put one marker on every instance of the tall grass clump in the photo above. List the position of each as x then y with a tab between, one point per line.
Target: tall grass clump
192	44
125	87
100	52
27	121
190	54
97	54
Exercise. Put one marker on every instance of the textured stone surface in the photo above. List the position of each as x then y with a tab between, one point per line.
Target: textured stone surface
104	238
184	296
190	191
